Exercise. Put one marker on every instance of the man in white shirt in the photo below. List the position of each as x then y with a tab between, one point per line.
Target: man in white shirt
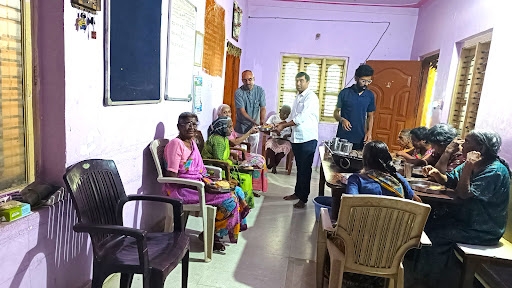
304	122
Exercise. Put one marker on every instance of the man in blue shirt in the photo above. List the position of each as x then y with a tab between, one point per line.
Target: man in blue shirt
355	109
250	109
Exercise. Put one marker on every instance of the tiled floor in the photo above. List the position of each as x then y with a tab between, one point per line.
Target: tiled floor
278	249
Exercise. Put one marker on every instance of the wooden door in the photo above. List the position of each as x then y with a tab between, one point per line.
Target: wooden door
231	77
396	87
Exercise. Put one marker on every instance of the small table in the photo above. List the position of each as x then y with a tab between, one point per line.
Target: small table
333	176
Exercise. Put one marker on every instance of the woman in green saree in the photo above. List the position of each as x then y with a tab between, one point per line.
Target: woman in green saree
217	147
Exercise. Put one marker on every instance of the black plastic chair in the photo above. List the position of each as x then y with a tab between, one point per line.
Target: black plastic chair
98	197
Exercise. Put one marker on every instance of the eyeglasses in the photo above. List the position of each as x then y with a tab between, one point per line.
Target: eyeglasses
367	82
189	124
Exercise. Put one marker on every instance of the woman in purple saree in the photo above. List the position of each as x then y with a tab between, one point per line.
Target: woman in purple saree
183	160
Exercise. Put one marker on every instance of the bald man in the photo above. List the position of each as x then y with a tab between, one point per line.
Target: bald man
250	108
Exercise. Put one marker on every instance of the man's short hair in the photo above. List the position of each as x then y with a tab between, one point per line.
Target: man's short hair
364	70
300	74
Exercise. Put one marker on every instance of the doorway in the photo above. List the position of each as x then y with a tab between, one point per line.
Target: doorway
428	83
231	77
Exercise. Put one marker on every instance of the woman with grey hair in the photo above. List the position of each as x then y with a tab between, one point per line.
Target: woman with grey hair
479	217
447	152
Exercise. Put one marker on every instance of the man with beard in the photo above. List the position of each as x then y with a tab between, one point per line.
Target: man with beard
355	109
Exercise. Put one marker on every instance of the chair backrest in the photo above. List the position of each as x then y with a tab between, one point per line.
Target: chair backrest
96	188
378	230
157	148
199	140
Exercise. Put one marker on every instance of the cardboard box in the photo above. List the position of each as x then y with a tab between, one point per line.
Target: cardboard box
15	211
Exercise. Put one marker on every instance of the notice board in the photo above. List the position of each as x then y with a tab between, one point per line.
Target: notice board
214	39
132	52
181	40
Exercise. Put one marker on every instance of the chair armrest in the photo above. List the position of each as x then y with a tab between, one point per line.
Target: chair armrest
220	163
326	220
247	144
240	149
138	234
110	229
177	206
217	172
176	180
424	240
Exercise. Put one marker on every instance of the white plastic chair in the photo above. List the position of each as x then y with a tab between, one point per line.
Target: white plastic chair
371	237
207	212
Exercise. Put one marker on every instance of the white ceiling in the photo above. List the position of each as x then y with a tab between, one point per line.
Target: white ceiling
384	3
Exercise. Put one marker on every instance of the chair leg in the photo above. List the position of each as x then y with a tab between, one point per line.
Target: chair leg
321	250
126	280
97	277
151	282
184	270
208	231
337	265
289	162
398	280
468	272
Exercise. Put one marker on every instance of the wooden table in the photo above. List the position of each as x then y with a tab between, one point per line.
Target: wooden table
332	176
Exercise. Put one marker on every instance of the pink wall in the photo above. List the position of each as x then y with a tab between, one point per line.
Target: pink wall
269	36
441	24
73	126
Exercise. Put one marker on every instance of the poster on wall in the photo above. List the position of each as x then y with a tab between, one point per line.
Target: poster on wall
181	41
198	94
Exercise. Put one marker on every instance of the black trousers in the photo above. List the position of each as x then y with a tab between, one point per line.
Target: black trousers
304	154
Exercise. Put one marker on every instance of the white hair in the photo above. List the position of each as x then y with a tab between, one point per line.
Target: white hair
221	107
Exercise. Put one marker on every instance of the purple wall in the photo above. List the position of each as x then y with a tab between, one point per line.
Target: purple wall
441	25
270	36
73	126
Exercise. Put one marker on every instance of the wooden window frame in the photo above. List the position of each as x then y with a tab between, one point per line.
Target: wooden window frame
468	88
321	93
27	94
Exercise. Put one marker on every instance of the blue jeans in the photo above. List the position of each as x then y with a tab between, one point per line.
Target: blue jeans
304	154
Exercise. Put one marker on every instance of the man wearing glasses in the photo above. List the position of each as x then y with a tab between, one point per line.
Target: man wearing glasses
355	109
250	109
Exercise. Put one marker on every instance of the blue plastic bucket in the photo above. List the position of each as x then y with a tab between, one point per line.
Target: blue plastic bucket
322	202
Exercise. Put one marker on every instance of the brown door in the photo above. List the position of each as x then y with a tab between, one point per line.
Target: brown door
231	77
396	88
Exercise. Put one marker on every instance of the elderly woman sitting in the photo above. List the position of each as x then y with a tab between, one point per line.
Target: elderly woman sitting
251	159
482	185
422	151
447	152
405	142
183	160
278	145
217	147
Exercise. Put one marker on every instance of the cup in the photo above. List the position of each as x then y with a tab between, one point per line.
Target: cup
408	170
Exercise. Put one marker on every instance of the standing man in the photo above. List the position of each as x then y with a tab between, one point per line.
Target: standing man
250	109
355	109
304	120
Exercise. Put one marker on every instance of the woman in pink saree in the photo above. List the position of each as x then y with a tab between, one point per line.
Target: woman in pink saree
183	160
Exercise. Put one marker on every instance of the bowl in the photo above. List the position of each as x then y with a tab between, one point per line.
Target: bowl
322	202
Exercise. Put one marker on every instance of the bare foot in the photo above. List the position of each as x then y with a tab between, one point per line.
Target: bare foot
299	204
256	194
291	197
218	246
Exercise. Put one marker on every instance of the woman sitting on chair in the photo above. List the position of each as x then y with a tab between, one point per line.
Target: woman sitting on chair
217	147
379	176
278	146
405	142
422	153
479	217
183	160
251	159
